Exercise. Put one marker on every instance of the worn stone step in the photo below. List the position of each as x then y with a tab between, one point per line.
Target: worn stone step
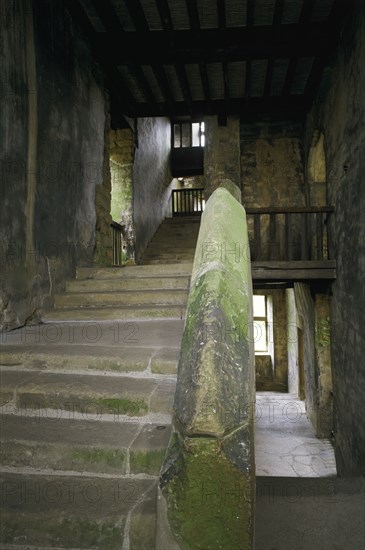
156	261
176	234
76	357
123	298
56	511
168	257
169	248
182	220
162	270
115	313
81	445
88	394
139	283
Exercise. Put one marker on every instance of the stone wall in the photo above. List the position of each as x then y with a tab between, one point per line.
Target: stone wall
121	167
221	153
152	179
339	114
207	483
310	313
53	124
272	170
292	343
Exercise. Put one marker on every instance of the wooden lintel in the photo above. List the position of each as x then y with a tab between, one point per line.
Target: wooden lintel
293	271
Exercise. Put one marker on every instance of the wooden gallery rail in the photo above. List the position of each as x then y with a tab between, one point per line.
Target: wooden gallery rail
116	243
289	234
188	202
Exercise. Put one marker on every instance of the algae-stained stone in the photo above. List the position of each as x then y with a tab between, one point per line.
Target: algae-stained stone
208	479
216	372
209	496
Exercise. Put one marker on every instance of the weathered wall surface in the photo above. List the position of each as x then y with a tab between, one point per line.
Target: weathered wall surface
52	155
310	313
121	168
272	174
339	113
305	309
272	171
152	179
292	342
221	153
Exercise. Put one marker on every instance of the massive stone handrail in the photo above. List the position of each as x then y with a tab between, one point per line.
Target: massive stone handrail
207	483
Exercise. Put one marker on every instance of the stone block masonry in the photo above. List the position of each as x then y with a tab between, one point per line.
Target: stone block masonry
208	479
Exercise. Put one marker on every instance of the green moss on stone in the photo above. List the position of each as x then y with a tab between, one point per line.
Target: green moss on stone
124	405
142	535
110	457
148	462
209	501
63	533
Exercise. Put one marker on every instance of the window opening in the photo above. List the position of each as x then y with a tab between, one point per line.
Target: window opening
260	324
189	134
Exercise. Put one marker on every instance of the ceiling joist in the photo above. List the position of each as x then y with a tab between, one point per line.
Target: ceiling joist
162	61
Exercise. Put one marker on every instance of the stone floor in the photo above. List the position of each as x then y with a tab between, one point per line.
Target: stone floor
301	504
285	443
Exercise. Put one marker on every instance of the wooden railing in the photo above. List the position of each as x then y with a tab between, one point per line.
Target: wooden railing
289	234
188	202
116	243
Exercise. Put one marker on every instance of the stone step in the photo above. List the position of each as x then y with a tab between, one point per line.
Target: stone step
162	270
116	313
87	394
168	256
58	511
76	357
156	261
177	238
123	298
169	248
186	229
118	284
82	445
182	220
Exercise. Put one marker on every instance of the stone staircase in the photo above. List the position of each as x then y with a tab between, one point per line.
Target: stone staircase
174	241
86	404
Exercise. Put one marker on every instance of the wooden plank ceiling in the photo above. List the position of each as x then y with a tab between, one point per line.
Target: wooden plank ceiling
259	59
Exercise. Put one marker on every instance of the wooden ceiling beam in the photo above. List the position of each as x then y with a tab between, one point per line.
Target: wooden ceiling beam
289	76
165	15
164	87
205	81
137	14
193	13
248	79
141	79
113	77
306	13
272	107
250	13
278	14
268	77
221	11
340	10
184	83
210	45
108	16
